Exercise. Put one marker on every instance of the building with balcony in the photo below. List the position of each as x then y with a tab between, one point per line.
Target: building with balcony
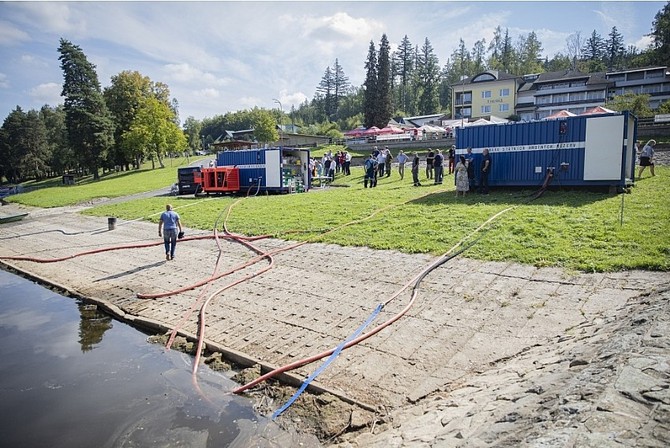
491	93
544	94
537	96
653	81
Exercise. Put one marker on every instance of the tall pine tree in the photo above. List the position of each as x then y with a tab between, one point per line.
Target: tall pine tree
428	71
404	67
89	124
614	50
370	84
384	100
660	34
594	52
342	85
326	94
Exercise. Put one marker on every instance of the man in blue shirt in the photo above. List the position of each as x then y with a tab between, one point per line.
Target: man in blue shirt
370	172
167	227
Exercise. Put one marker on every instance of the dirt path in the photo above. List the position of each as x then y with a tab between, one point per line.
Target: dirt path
479	335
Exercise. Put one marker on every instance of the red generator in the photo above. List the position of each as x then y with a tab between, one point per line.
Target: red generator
218	179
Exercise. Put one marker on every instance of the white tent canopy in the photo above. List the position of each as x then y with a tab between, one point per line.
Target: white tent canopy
430	129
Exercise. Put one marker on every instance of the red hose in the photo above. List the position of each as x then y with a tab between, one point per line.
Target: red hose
310	359
122	247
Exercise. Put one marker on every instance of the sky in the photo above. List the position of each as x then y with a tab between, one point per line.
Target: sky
224	56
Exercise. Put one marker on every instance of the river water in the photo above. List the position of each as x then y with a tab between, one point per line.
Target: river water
71	376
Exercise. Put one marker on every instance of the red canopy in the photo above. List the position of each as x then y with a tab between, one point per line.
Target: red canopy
598	110
560	114
374	130
355	132
390	130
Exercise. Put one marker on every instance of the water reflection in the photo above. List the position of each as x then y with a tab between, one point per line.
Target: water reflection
72	376
92	326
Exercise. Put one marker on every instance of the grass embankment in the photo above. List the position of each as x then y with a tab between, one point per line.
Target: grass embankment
51	192
571	229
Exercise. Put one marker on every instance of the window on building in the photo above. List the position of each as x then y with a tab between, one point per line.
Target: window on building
486	109
486	94
577	96
656	73
504	92
652	88
463	98
617	77
467	111
634	76
543	100
484	77
577	83
560	98
595	95
503	107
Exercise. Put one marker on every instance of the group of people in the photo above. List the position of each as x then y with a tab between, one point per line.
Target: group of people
331	164
435	162
464	169
378	164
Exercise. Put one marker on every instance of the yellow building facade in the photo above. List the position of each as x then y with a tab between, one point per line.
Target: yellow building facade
491	93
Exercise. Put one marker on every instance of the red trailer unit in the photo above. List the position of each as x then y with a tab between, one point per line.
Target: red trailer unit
218	179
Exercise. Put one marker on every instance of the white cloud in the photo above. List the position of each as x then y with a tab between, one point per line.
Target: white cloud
228	55
291	99
340	27
249	102
187	73
11	34
207	93
643	42
31	62
53	17
552	41
48	93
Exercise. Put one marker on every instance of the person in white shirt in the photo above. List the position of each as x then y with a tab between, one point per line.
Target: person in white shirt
347	163
402	159
647	158
381	163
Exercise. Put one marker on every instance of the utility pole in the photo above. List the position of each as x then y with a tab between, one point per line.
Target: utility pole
281	132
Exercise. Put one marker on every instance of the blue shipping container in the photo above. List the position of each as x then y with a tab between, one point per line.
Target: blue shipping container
587	150
276	169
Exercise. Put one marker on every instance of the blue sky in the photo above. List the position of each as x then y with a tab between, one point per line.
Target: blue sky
218	57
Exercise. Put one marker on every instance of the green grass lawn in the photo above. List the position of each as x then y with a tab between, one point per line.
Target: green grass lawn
51	192
573	229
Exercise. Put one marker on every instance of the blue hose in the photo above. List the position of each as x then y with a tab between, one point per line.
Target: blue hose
330	359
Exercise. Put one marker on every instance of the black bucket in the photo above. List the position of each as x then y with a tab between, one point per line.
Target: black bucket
111	223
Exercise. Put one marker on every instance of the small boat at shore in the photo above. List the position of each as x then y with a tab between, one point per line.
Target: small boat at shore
11	218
